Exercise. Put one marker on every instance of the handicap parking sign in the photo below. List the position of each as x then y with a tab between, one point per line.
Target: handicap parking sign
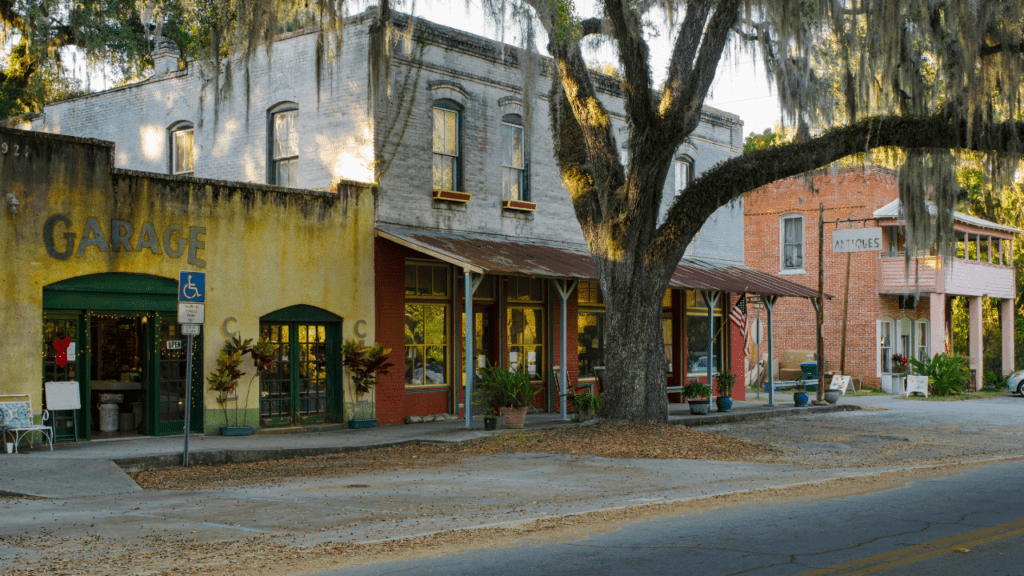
192	287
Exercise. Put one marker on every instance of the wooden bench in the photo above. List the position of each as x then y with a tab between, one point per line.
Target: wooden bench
17	422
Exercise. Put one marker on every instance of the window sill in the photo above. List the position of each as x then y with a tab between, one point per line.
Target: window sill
521	205
790	272
452	196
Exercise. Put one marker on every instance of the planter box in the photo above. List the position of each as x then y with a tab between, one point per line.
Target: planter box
365	423
236	430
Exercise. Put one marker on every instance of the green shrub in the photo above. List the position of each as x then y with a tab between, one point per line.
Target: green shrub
724	382
994	379
946	374
507	388
696	390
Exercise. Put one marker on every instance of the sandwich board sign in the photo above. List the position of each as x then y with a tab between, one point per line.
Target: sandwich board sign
840	383
917	383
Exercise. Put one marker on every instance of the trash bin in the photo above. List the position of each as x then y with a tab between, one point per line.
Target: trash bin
809	370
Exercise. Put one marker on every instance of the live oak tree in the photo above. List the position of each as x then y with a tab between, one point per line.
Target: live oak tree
922	79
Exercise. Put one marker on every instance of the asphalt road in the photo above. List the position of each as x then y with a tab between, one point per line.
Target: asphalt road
969	523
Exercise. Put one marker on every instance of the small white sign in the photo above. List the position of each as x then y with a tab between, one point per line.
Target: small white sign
189	313
481	361
857	240
917	383
190	329
72	352
840	383
174	344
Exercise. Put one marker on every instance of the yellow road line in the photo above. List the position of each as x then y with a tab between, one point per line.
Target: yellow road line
924	551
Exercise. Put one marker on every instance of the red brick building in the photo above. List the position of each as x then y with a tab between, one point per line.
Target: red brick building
887	314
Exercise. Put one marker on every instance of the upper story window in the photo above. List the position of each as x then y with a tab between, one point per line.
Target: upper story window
684	173
513	159
447	157
182	149
792	243
284	145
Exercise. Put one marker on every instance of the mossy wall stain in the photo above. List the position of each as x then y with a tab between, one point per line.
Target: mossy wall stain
264	248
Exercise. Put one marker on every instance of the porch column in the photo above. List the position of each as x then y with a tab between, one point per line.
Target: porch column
471	284
564	287
974	335
937	315
1006	313
711	298
769	304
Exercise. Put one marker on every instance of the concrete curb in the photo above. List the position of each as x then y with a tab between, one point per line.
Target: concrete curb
777	412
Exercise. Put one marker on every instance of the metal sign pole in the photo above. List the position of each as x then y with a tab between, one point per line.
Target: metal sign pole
188	398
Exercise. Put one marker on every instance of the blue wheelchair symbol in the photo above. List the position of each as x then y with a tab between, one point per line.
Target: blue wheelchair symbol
192	287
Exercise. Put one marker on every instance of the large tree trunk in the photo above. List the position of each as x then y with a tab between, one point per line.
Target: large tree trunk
634	383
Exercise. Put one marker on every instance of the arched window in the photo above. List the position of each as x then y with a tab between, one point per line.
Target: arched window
513	159
283	145
447	146
684	173
182	137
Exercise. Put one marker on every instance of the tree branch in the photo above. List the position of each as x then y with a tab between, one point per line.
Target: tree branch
732	178
634	55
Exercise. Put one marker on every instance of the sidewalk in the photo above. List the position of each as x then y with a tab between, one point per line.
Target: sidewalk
99	467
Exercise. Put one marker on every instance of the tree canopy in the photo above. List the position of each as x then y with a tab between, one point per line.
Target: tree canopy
927	78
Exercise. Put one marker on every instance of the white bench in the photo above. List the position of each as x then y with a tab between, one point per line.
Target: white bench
16	419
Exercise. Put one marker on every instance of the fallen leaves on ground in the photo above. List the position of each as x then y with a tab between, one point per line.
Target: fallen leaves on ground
605	439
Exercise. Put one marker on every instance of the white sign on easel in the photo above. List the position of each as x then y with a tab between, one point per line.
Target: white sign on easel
917	383
840	383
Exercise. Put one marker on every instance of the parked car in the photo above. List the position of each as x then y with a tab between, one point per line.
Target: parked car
1015	383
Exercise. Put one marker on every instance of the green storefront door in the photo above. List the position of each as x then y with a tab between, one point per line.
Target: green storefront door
105	314
303	384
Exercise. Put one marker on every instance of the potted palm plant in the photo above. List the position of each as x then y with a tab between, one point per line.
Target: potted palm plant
723	386
697	396
224	379
365	364
511	390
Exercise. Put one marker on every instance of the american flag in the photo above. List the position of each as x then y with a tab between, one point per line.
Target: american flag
738	315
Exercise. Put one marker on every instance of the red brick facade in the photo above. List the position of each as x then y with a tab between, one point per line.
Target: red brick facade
852	193
395	401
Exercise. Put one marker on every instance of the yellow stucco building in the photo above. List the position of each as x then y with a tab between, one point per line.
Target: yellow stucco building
91	257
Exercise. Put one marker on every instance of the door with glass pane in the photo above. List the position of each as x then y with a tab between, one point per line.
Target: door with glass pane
526	348
297	388
63	348
170	401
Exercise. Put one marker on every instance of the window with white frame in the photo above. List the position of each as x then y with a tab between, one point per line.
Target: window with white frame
182	149
922	349
284	145
447	160
886	329
513	159
684	173
792	242
906	345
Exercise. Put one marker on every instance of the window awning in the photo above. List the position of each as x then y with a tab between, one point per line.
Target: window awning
503	255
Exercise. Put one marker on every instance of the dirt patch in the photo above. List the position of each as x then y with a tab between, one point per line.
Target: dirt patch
607	440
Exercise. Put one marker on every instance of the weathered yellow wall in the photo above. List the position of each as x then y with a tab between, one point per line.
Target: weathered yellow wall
264	249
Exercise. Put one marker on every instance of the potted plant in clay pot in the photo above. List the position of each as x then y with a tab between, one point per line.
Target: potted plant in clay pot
585	405
511	390
723	386
224	379
365	364
698	397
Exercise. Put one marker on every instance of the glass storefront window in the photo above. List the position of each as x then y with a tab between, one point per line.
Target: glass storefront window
426	279
666	335
426	344
590	329
697	336
526	341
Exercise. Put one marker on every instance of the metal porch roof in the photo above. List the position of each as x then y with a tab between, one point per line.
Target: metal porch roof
492	254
